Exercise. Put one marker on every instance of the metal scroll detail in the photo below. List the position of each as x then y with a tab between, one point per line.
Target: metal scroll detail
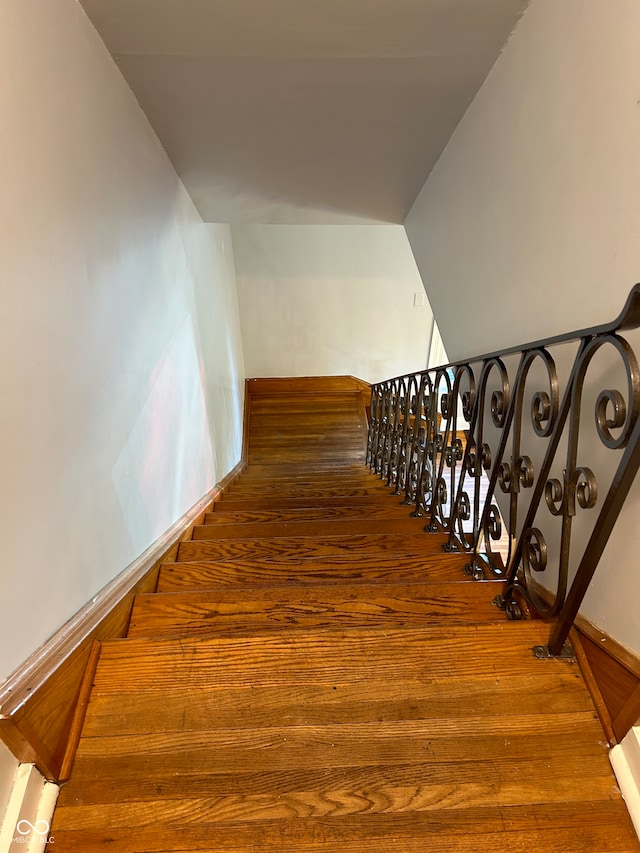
523	457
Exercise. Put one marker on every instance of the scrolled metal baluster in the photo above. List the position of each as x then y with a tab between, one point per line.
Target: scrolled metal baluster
466	453
513	474
611	398
405	432
500	404
384	404
442	424
479	459
464	507
485	457
406	472
535	561
425	498
373	425
416	439
391	401
525	471
577	489
505	477
543	411
450	451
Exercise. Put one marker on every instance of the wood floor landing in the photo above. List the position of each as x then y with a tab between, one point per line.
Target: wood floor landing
321	677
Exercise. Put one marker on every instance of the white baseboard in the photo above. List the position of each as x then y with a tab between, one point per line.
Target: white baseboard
625	760
27	802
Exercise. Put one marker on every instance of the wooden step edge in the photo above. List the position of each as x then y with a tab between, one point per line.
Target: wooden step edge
338	384
309	467
279	620
199	575
290	587
304	482
222	517
518	637
291	503
306	529
278	492
306	549
391	502
301	480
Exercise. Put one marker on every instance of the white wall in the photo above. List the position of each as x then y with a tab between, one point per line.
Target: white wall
530	224
325	300
530	220
121	380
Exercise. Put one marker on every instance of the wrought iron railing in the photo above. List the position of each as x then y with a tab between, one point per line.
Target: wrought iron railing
504	454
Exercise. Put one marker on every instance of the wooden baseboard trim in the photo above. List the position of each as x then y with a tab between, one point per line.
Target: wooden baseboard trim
592	687
613	648
38	701
246	421
616	671
80	712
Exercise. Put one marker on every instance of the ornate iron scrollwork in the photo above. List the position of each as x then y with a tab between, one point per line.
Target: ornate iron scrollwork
492	451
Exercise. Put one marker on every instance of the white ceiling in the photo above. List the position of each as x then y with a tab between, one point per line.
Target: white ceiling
304	111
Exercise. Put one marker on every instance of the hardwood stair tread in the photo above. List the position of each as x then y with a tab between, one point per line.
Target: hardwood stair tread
276	502
307	703
283	467
282	476
300	477
333	491
225	516
451	651
347	568
306	547
242	609
320	528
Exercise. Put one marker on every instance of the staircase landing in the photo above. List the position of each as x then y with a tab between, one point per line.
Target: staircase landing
306	682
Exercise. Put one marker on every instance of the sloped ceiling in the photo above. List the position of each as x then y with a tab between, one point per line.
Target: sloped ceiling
316	111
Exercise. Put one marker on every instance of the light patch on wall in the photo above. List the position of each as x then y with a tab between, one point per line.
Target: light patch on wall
169	443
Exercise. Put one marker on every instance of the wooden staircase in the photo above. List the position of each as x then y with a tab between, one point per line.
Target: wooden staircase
314	674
